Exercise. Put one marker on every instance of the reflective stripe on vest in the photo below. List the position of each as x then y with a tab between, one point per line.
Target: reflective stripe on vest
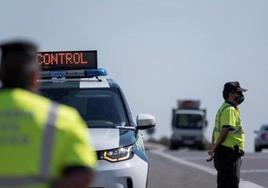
46	154
46	149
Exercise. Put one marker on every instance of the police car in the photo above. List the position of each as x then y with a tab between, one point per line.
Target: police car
261	139
73	78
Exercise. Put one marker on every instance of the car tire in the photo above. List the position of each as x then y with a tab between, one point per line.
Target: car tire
173	146
258	148
201	147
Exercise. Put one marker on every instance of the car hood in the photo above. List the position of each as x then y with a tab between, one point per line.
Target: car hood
110	138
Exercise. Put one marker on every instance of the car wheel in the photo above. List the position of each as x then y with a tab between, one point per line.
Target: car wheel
258	148
201	147
173	146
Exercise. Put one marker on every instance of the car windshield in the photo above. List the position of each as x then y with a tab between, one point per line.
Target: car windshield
188	121
264	128
99	107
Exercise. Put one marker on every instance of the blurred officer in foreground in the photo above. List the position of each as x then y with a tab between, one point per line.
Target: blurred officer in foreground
42	143
228	137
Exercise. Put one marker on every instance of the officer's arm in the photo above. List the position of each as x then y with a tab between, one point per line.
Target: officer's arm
213	138
79	158
75	177
228	123
223	134
219	141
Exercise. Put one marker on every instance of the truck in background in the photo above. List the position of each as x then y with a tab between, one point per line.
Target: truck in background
189	123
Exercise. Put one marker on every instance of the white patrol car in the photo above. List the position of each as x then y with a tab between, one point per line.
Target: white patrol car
261	139
122	161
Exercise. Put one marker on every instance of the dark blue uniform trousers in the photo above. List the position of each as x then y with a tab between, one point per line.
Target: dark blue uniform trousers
227	163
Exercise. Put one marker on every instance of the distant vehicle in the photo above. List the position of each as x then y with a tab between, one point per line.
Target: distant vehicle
261	139
73	78
188	125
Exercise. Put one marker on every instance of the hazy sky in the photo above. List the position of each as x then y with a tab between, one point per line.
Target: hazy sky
159	50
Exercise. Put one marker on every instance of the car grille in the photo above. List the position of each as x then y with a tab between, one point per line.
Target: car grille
188	137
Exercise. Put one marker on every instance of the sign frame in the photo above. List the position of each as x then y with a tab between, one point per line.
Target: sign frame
67	60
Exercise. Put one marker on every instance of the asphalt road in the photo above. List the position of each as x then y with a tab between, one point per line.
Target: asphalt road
188	169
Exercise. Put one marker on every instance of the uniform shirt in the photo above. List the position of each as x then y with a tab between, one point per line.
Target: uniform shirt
229	116
23	116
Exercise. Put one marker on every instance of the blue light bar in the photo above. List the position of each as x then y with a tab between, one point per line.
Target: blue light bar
57	74
83	73
95	72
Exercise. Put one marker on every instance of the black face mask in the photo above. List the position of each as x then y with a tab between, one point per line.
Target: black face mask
240	98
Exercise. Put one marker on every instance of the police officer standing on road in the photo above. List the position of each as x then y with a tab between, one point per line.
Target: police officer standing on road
42	143
228	137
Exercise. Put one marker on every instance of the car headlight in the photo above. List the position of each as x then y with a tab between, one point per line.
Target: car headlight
118	154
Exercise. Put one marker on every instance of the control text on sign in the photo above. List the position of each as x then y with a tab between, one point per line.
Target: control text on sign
67	60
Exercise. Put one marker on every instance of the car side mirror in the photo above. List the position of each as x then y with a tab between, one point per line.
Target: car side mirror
145	121
206	123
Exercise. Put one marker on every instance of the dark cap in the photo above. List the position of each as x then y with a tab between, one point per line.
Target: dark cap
233	87
17	54
17	63
18	48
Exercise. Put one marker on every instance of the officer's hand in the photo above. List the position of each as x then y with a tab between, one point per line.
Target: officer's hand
211	150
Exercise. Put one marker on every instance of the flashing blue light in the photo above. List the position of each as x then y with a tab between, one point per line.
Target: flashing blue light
57	74
83	73
95	72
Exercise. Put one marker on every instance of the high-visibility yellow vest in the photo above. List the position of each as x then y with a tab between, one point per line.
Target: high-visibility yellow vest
38	139
229	115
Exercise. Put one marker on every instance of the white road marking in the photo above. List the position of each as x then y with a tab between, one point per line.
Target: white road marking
185	162
255	171
192	158
255	157
248	184
243	183
196	158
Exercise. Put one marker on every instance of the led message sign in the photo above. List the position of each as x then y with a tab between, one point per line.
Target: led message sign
67	60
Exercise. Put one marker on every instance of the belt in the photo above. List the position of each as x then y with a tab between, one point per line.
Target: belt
234	150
